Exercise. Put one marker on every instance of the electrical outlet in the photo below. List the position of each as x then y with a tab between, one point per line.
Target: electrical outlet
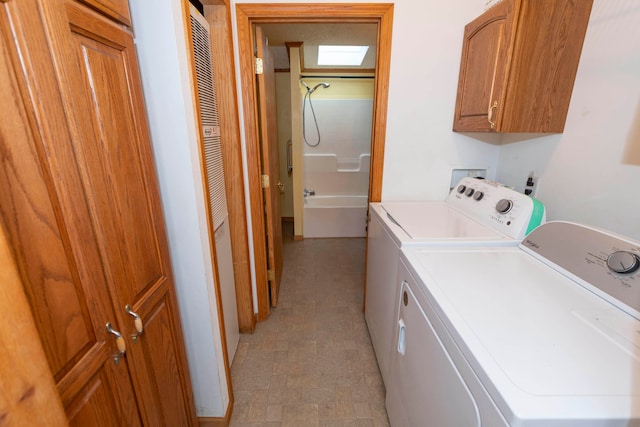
531	186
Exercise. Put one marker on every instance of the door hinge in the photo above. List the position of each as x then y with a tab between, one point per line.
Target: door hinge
259	66
265	181
271	275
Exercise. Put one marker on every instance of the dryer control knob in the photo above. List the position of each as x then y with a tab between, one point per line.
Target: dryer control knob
461	188
504	206
478	195
470	192
623	262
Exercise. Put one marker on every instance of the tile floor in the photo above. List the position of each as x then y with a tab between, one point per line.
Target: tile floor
311	363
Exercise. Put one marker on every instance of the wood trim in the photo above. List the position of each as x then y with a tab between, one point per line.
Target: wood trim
213	422
219	18
212	243
248	14
381	96
256	206
118	10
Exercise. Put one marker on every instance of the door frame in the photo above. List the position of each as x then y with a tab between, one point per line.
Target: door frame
248	14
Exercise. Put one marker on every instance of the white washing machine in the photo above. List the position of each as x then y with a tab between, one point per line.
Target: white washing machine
476	212
545	334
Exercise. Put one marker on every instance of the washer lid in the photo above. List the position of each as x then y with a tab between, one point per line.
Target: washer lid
422	222
543	346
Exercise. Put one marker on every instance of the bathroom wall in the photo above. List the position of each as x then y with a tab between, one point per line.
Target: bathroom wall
283	101
337	154
350	123
420	148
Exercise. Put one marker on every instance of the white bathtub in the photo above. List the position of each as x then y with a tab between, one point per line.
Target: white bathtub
335	216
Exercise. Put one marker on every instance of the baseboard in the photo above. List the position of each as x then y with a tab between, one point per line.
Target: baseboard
212	422
298	237
218	421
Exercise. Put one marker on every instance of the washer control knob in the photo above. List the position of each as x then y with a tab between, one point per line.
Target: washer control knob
623	262
461	188
470	192
478	195
504	206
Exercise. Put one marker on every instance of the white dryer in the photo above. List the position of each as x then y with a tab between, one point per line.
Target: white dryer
545	334
476	212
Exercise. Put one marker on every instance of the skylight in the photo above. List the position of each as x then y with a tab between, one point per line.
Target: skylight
341	55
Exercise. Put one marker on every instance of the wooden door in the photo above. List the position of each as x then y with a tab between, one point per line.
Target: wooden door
118	173
43	210
81	208
483	69
23	364
266	96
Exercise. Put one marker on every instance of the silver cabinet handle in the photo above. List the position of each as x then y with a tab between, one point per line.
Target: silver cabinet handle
137	321
122	346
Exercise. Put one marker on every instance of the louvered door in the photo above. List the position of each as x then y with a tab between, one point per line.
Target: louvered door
209	118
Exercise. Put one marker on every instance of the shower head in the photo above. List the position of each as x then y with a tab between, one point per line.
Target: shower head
323	84
311	90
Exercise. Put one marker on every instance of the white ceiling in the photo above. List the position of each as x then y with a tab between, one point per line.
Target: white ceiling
313	35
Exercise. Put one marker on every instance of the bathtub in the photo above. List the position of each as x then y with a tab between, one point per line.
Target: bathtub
335	216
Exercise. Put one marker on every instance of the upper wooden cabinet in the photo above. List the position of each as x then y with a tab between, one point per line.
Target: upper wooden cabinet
519	62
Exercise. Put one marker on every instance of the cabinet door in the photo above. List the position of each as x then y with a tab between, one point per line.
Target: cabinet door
118	174
483	69
42	210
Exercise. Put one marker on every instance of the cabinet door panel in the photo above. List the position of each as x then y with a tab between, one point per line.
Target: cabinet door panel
484	69
125	207
95	406
42	207
113	161
483	51
161	370
54	291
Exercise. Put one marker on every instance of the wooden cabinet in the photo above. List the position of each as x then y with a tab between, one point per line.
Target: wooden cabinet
519	61
80	205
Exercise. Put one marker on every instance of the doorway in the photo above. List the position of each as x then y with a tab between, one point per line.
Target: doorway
249	15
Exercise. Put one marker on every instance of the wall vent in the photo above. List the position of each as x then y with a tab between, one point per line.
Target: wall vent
209	116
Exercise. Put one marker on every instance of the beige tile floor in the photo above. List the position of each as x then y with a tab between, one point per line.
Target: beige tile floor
311	363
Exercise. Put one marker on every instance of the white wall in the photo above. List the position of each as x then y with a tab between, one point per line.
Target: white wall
420	148
584	173
160	41
283	95
587	174
590	173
